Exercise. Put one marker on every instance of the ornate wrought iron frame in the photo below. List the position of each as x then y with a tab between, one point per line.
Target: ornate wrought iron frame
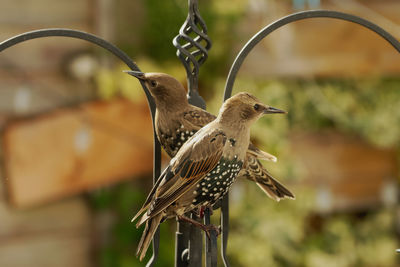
193	54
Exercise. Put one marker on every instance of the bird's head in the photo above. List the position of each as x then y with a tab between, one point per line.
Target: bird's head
165	89
245	108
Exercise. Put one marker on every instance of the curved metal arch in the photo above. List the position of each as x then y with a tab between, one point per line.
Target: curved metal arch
296	17
59	32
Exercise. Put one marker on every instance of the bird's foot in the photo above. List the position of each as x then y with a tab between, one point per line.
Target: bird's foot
206	228
211	227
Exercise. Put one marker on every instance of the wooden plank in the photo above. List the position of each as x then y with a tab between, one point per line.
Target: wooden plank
346	172
46	251
17	17
323	46
71	150
52	217
54	235
38	13
39	93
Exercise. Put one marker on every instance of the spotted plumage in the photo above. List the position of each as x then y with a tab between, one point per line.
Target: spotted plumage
203	169
171	141
174	131
176	121
217	182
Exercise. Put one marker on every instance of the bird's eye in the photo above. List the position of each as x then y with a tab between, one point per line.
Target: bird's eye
153	83
256	107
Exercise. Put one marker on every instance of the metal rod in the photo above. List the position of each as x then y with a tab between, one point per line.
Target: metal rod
156	175
196	245
211	243
181	244
224	228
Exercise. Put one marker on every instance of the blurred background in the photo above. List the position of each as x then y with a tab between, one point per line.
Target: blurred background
77	138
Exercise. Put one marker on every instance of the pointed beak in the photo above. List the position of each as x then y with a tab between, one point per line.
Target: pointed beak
271	110
138	74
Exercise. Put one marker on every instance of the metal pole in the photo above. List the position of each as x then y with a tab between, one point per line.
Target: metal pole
193	54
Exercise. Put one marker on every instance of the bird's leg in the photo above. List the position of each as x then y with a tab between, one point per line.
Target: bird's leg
200	211
205	228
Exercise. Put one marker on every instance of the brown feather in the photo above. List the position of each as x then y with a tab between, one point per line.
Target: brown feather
254	171
197	117
147	236
259	154
168	191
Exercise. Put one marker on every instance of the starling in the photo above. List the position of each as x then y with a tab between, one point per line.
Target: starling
204	168
176	121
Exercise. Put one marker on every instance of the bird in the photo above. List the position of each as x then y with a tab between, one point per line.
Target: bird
176	121
204	168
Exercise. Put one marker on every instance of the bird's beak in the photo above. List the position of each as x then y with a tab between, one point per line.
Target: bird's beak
138	74
271	110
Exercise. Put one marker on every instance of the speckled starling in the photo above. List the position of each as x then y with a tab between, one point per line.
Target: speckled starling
176	121
205	167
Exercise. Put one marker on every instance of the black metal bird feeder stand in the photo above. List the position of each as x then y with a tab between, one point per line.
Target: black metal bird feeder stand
193	52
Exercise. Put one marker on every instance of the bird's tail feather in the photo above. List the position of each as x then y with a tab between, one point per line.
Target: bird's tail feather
275	190
257	173
148	233
144	218
137	215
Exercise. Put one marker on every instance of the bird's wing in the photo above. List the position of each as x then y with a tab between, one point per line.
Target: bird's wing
194	160
197	117
258	153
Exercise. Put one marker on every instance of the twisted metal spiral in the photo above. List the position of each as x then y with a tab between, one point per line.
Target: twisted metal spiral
193	44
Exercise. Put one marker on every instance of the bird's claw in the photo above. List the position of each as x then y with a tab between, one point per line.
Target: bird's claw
209	228
206	228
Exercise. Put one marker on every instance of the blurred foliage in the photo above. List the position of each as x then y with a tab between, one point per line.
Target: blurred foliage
122	201
271	234
280	234
163	20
